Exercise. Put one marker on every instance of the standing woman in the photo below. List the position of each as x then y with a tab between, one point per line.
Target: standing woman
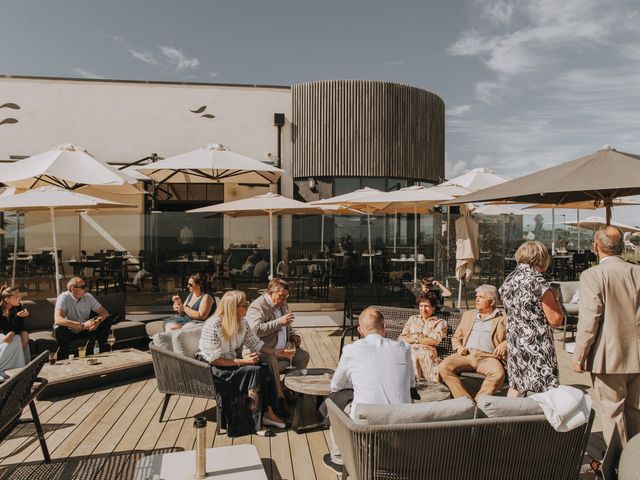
196	308
532	307
423	333
14	340
223	336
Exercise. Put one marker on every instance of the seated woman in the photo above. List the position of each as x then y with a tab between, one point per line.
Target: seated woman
197	306
14	340
423	332
221	342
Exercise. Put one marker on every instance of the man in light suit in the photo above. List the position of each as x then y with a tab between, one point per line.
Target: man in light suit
269	317
480	346
608	338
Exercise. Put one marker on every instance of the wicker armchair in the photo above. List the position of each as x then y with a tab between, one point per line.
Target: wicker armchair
19	391
486	448
180	375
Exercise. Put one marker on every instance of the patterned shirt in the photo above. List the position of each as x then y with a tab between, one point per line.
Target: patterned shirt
480	336
213	343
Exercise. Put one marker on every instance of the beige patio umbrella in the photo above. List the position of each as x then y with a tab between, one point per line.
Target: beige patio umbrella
54	198
67	166
476	179
595	223
467	250
604	175
415	199
270	204
214	163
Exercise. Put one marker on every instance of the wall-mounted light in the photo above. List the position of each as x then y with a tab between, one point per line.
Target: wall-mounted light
312	184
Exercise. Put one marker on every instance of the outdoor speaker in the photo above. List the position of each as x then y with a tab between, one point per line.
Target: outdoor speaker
278	119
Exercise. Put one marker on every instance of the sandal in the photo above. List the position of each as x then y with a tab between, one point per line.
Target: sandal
596	466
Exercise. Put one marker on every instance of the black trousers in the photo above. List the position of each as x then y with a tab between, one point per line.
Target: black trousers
65	336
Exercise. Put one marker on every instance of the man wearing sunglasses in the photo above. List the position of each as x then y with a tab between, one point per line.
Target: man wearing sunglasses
73	319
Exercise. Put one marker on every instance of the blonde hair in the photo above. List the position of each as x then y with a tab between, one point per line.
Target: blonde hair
533	253
227	311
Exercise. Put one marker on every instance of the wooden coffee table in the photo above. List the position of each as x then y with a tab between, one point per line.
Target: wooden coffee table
73	375
308	381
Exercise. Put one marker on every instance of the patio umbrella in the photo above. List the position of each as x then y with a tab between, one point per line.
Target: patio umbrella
54	198
476	179
602	176
269	203
214	163
499	209
466	248
595	223
415	199
67	166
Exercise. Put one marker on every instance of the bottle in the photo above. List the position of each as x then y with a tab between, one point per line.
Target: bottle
96	349
200	424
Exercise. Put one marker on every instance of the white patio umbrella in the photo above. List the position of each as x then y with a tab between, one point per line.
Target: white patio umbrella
477	179
67	166
466	248
54	198
270	204
415	199
214	163
596	222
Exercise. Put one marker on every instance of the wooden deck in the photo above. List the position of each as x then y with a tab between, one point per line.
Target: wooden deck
101	434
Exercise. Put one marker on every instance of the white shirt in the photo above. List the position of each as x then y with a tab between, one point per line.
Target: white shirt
378	369
282	333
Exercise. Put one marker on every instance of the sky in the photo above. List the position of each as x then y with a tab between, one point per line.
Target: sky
527	84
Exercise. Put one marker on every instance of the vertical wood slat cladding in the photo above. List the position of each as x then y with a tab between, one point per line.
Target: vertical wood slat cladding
367	128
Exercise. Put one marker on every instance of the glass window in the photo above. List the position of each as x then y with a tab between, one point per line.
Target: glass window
342	185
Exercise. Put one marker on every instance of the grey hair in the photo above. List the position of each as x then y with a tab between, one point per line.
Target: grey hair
490	290
72	282
610	240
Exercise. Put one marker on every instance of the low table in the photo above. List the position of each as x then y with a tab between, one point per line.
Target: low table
73	375
240	462
308	381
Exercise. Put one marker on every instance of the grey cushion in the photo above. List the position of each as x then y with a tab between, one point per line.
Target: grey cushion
186	340
40	315
154	327
128	329
114	303
454	409
43	340
163	340
496	407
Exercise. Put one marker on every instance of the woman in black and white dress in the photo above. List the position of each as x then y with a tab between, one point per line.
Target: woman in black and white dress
532	306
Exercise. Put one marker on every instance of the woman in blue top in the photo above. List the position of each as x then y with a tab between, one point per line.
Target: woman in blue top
196	307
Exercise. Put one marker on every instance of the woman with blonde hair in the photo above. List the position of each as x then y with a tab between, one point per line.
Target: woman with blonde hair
532	307
14	340
223	336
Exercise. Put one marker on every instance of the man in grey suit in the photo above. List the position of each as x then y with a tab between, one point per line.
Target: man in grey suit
269	317
608	338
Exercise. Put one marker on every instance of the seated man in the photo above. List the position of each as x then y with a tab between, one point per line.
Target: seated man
379	371
72	319
270	319
480	345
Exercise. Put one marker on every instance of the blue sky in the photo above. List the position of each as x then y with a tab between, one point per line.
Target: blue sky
527	83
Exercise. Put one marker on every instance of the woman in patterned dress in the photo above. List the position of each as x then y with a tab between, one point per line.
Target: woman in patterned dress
423	332
223	336
532	306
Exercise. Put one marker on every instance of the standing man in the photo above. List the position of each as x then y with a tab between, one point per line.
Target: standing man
480	345
608	338
269	317
72	319
379	370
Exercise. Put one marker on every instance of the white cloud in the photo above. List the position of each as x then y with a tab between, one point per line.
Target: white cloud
86	73
214	74
459	111
177	60
170	58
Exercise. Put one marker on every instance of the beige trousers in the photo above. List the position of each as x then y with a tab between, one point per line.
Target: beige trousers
619	398
475	361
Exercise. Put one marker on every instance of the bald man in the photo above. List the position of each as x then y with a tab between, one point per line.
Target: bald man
379	371
608	337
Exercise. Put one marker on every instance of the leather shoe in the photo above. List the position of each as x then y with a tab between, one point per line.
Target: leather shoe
272	423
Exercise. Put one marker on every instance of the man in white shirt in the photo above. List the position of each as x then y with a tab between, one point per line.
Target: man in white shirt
379	371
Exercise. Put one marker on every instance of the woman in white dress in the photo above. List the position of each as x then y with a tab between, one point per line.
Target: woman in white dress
14	340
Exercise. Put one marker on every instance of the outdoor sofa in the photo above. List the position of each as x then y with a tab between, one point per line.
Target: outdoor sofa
39	323
504	438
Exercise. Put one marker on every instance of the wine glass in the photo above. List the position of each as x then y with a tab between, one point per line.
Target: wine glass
111	339
290	350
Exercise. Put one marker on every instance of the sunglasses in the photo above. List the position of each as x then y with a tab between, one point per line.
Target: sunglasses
245	305
190	284
83	287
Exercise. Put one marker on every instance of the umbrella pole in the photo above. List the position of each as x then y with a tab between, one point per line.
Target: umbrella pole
55	251
460	284
446	279
608	205
15	250
553	231
415	244
370	257
395	231
578	218
322	233
271	244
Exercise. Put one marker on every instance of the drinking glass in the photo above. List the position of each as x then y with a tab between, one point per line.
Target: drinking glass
82	352
111	339
290	350
52	358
